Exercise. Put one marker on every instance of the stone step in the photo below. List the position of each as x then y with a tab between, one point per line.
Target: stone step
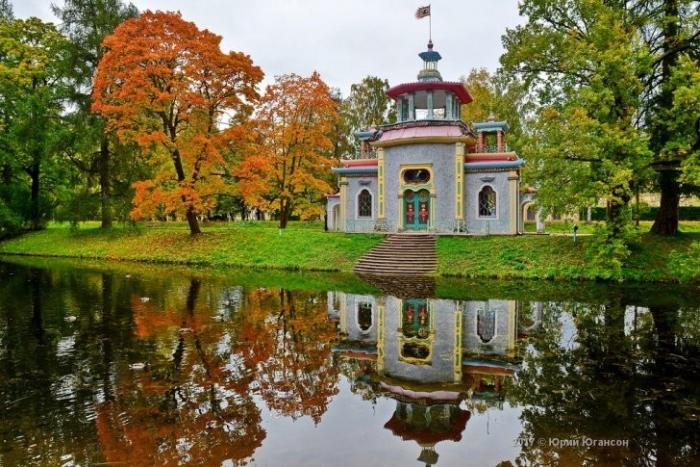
390	259
400	255
374	260
394	269
392	272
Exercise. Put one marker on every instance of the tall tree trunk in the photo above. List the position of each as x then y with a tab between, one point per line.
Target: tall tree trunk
35	210
191	216
192	221
666	222
284	213
105	183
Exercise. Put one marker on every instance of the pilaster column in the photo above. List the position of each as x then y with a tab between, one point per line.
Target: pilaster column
513	192
342	222
449	107
459	181
380	185
457	351
499	141
411	108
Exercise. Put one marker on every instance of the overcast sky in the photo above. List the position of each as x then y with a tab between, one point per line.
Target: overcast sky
345	40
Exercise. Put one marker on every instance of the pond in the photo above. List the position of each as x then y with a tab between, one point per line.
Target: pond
146	365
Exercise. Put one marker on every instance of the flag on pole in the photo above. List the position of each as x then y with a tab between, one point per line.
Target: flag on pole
422	12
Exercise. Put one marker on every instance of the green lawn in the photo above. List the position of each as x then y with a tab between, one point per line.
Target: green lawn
306	247
558	257
302	246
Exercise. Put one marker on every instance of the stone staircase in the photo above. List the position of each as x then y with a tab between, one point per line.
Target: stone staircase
400	255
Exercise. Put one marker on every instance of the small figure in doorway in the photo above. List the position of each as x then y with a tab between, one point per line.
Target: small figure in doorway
423	214
410	214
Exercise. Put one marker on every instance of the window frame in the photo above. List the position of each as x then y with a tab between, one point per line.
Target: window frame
478	202
358	215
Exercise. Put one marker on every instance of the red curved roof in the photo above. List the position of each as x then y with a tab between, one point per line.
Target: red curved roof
429	435
457	88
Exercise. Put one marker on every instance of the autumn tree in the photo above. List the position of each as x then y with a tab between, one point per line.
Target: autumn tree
166	85
86	23
286	168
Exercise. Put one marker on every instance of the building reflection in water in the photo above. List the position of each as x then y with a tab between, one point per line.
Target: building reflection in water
440	360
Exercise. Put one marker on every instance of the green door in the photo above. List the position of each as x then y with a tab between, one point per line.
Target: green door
416	209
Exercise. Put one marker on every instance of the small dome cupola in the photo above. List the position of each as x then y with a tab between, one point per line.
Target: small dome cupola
430	58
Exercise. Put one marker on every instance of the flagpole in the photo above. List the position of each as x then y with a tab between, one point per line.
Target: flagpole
430	25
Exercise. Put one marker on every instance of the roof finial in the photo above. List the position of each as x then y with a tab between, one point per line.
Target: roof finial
430	44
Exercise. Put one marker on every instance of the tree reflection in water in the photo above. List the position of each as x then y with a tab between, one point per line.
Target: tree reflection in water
194	405
629	373
286	345
220	358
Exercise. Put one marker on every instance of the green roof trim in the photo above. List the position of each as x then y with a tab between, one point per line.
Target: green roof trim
490	126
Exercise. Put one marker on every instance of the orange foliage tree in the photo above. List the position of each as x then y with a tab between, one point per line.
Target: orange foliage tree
286	168
167	85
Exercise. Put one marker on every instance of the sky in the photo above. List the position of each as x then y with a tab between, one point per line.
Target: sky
344	40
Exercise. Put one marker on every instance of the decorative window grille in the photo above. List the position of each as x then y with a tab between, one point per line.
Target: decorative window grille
364	204
487	202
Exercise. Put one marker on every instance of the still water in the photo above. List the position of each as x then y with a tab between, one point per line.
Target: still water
134	365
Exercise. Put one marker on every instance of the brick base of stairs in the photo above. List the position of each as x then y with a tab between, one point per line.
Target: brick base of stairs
400	255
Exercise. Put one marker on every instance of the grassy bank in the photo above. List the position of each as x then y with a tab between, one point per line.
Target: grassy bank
260	245
307	247
654	259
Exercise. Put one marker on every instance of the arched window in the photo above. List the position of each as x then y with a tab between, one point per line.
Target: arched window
364	316
486	324
364	204
487	202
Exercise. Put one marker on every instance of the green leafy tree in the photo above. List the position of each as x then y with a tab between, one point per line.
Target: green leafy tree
582	62
367	105
686	121
671	31
495	94
6	10
33	92
95	151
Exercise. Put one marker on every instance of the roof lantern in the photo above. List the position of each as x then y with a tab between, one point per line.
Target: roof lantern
430	58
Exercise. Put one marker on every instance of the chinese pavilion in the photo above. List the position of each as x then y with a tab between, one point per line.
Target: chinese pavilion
429	171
